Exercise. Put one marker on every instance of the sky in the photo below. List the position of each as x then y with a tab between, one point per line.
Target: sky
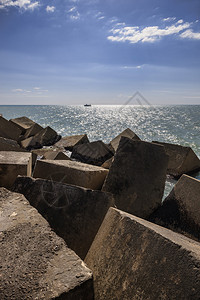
99	51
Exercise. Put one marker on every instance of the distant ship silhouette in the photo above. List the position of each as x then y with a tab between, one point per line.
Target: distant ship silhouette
87	104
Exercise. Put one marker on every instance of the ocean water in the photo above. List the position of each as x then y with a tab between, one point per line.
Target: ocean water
174	124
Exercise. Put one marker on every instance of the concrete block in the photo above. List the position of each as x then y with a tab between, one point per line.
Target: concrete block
58	155
180	211
74	213
69	142
23	123
13	164
182	160
126	133
35	262
71	172
95	153
45	137
137	176
108	163
9	130
10	145
33	130
134	259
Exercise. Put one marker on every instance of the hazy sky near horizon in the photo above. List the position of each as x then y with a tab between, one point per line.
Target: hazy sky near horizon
99	51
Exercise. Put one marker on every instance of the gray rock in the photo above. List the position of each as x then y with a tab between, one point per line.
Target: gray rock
22	123
71	172
180	211
95	153
9	130
182	160
134	259
35	262
69	142
10	145
126	133
33	130
74	213
13	164
137	176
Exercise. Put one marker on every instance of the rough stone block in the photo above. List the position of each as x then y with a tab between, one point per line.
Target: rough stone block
13	164
74	213
69	142
9	130
180	211
71	172
126	133
35	262
108	163
95	153
45	137
58	155
33	130
134	259
182	160
22	123
137	176
9	145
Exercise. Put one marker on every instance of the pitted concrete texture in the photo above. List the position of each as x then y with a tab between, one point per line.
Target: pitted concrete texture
71	172
68	142
33	130
182	160
95	153
137	176
135	259
35	262
22	123
9	130
126	133
180	211
13	164
74	213
58	155
45	137
9	145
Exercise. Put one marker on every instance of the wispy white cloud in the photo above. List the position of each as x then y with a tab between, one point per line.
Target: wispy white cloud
21	4
150	34
33	91
50	9
72	9
189	34
169	19
132	67
74	14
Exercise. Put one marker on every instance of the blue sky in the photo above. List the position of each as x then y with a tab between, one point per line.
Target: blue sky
99	51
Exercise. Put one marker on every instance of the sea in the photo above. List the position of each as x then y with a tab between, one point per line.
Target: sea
179	124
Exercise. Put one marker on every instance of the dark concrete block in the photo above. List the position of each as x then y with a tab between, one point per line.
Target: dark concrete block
180	211
9	130
74	213
134	259
10	145
137	176
69	142
35	262
23	123
95	153
126	133
33	130
182	160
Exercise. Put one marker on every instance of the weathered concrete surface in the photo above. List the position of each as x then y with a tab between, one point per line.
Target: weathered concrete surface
13	164
108	163
71	172
74	213
59	155
45	137
22	123
180	211
9	145
135	259
95	153
33	130
9	130
35	262
126	133
69	142
182	160
137	176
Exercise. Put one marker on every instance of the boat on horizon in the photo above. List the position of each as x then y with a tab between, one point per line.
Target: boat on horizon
87	105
